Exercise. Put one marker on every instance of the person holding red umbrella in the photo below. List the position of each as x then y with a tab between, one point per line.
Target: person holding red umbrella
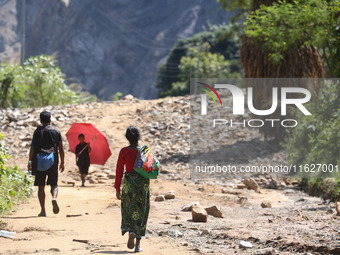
90	146
83	150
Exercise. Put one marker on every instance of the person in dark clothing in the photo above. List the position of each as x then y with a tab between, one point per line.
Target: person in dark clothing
46	139
83	150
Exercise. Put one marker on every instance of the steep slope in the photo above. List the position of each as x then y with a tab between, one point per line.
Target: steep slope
107	46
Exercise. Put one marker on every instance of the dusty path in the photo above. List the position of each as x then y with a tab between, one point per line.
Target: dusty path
99	223
296	223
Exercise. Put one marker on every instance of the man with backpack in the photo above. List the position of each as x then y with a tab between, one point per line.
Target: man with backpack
44	160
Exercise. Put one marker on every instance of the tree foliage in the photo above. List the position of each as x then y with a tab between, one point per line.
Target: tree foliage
211	65
219	48
298	23
316	139
14	186
35	84
238	7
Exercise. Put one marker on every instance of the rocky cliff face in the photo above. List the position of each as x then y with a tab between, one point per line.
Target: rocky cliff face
107	46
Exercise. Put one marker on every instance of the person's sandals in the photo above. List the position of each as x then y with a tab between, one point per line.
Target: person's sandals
42	214
131	241
55	206
138	249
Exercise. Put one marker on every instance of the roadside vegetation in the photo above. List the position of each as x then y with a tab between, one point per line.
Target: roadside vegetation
277	34
212	53
15	188
37	83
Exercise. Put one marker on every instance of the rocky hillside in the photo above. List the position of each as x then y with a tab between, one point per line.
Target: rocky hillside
107	46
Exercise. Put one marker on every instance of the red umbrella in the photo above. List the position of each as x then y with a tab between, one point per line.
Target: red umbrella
100	150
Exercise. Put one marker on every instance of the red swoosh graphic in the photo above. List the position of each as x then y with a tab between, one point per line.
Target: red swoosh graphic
213	90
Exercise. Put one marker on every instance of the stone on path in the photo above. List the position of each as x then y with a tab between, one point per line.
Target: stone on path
266	204
188	207
170	195
245	245
160	198
252	184
214	211
199	214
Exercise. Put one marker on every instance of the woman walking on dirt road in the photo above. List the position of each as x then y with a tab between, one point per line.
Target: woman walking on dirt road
135	195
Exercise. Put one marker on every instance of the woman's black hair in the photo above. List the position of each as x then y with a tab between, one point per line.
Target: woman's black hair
133	135
81	135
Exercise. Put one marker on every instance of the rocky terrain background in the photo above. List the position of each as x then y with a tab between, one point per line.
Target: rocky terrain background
107	46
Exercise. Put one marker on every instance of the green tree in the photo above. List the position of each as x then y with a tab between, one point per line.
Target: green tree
298	23
211	65
35	84
222	40
316	139
238	7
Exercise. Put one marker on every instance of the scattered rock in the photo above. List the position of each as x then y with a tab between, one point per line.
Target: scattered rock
214	211
241	186
92	181
205	232
170	195
242	200
265	251
272	184
111	176
127	97
251	184
160	198
175	233
294	182
245	245
188	207
266	204
199	214
231	191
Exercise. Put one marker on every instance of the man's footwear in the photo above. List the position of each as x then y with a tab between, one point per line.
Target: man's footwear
138	249
131	241
42	214
55	206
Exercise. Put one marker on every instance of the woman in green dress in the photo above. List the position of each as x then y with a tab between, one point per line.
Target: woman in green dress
135	195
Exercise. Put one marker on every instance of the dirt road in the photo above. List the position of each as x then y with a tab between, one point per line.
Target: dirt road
296	223
98	223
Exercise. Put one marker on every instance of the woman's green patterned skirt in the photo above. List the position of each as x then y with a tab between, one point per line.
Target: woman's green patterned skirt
135	204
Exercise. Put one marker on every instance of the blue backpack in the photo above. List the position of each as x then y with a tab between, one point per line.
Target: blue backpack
45	159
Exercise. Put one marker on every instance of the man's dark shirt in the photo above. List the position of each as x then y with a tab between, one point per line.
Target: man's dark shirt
42	140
